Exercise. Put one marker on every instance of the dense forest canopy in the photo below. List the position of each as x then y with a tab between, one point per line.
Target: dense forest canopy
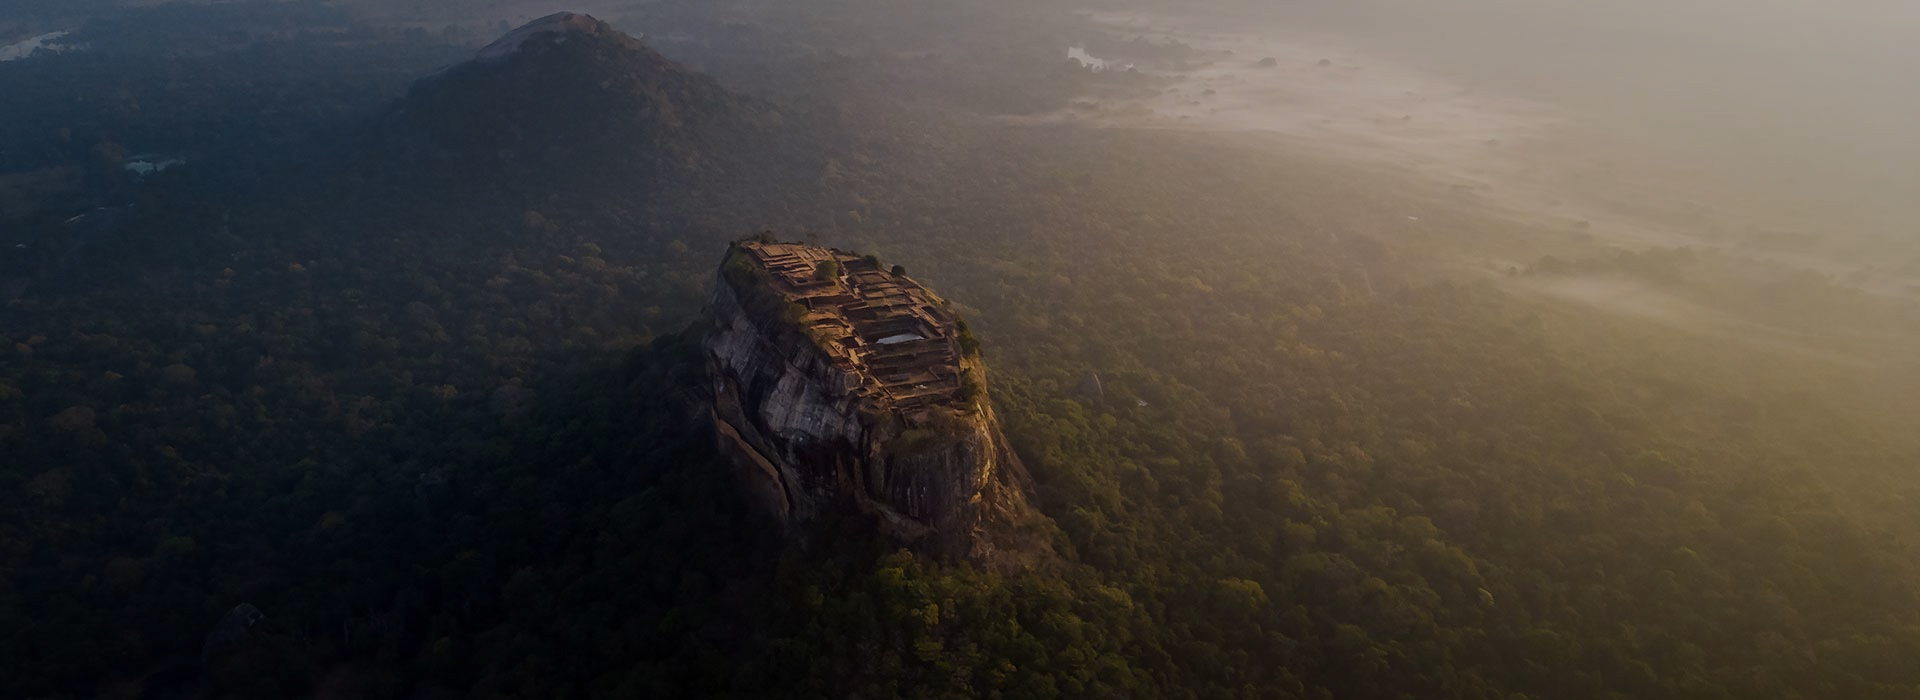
440	433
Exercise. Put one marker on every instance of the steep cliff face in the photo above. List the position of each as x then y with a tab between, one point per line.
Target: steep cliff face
854	394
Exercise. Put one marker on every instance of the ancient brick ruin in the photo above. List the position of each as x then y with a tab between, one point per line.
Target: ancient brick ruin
896	337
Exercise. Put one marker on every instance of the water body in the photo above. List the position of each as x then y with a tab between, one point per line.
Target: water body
1088	60
25	47
149	163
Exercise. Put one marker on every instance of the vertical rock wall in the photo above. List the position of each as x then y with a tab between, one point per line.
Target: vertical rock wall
806	445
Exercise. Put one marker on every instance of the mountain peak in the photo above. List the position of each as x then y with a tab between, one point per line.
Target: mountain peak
568	98
562	23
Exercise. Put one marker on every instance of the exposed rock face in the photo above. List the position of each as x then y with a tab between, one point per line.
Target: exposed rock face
842	389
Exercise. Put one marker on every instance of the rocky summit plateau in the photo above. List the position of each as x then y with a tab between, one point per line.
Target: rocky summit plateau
843	388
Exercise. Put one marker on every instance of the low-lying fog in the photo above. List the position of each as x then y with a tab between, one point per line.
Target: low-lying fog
1788	126
1805	99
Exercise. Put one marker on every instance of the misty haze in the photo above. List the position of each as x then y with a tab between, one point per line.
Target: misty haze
1289	349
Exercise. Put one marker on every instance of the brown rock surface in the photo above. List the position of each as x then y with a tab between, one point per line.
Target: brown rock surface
840	387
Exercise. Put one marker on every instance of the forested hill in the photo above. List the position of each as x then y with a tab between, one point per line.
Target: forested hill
447	451
567	98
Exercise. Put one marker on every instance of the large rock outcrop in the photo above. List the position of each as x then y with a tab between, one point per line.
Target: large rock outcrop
843	389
